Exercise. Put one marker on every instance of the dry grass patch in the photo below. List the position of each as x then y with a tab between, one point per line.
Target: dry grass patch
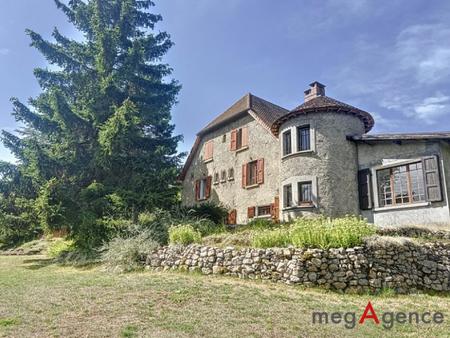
46	300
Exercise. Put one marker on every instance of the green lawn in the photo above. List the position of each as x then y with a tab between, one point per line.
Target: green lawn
44	300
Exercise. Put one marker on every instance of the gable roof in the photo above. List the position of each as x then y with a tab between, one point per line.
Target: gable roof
266	113
321	103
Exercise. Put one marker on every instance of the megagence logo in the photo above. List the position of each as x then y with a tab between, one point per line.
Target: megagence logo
386	319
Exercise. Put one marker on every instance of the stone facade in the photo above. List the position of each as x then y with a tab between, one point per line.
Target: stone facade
404	267
340	149
262	144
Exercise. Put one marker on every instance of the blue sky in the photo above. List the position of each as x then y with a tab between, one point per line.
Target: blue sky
391	58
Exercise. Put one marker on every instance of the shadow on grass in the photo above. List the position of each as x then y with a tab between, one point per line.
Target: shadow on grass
38	263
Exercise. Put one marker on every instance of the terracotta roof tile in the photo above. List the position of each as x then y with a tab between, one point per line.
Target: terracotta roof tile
321	103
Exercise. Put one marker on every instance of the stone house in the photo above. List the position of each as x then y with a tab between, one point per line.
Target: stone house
260	160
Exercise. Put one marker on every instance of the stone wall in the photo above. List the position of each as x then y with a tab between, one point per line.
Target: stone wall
262	144
405	267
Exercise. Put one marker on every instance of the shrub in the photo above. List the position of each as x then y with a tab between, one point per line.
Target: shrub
211	211
157	223
60	247
271	238
184	234
124	254
326	233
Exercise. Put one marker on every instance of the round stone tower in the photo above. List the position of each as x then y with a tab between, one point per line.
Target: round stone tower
319	165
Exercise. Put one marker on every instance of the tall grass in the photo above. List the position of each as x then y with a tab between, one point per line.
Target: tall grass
319	232
184	234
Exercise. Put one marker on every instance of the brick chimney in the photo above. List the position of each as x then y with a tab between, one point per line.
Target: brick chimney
317	89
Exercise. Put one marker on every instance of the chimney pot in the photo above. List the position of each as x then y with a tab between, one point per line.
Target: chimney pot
316	89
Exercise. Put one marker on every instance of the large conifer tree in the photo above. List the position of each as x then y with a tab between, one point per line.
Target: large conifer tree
98	141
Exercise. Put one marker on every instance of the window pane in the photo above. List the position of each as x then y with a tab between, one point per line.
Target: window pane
303	134
264	210
202	188
305	192
239	139
252	173
287	193
287	143
401	185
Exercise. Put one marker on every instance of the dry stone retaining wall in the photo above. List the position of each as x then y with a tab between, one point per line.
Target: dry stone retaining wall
405	267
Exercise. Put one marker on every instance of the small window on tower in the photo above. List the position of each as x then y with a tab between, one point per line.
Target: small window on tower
230	174
223	176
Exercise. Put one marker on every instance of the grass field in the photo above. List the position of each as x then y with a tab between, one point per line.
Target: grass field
39	299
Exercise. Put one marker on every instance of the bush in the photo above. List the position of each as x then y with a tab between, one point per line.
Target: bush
271	238
211	211
60	247
327	233
125	254
184	234
157	224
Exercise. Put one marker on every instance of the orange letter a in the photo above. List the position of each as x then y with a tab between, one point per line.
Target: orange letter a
372	314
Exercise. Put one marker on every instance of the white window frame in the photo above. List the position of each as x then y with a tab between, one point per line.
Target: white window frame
295	180
202	188
391	164
293	128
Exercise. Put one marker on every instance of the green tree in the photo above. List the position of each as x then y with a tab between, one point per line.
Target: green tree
100	132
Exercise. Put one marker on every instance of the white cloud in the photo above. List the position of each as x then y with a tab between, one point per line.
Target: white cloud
4	51
431	108
422	49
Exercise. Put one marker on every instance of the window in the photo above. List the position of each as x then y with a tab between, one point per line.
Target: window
208	155
203	188
216	177
230	174
264	210
303	138
305	193
401	185
287	195
224	138
287	143
223	176
239	138
252	173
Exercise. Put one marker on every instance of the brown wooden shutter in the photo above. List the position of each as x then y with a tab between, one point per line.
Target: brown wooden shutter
260	171
197	190
251	212
233	138
208	187
232	217
244	136
275	206
365	189
432	180
244	175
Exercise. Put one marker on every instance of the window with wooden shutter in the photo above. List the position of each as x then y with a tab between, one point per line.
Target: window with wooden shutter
365	189
233	140
197	190
208	187
244	137
260	171
251	212
244	175
209	149
432	178
275	209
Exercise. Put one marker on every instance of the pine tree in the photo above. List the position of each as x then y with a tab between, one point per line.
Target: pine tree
98	142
